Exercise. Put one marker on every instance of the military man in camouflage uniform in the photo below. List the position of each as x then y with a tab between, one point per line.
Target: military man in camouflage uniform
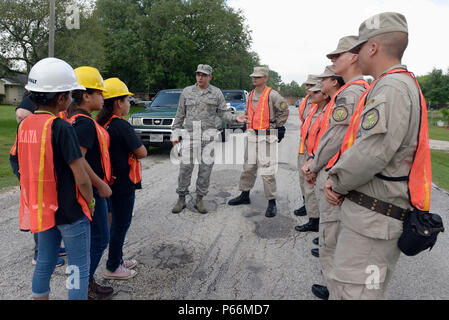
278	115
198	107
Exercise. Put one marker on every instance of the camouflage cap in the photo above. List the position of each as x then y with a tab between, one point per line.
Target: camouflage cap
260	72
316	87
204	68
381	23
344	45
328	72
311	79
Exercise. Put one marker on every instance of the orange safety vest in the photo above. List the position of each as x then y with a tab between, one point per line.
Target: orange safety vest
135	167
302	108
305	127
38	192
103	140
325	120
420	175
63	115
259	117
314	131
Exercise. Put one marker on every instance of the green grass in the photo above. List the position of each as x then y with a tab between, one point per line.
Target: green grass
8	129
436	133
440	168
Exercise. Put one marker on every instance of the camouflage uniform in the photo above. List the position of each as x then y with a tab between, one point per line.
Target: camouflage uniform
203	106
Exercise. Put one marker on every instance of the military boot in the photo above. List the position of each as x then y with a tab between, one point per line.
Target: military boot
200	205
180	205
312	225
243	198
271	210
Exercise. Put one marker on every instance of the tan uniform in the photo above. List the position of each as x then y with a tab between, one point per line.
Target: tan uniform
385	144
302	158
329	145
278	116
311	199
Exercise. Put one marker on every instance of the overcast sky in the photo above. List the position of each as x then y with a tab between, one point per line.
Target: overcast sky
293	37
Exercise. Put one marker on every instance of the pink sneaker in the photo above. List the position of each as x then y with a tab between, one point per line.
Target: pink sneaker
121	273
129	264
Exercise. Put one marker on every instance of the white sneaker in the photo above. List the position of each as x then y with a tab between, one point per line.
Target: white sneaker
121	273
129	264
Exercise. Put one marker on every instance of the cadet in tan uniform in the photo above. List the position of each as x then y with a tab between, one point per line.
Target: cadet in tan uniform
383	151
304	110
343	104
200	103
329	84
266	110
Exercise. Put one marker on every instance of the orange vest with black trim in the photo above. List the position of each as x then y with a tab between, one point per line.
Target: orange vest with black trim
38	192
325	120
305	128
420	175
103	140
259	117
135	167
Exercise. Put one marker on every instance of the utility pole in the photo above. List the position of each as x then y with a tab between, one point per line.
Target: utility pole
51	36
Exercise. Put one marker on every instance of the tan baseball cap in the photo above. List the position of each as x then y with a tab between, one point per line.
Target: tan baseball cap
381	23
316	87
260	72
311	79
204	68
328	72
344	44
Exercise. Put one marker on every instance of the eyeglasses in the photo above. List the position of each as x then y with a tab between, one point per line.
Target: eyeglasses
199	74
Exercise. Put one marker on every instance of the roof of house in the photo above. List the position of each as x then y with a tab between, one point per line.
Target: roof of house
16	80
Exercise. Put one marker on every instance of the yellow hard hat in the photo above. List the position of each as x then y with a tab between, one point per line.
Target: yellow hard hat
90	78
115	88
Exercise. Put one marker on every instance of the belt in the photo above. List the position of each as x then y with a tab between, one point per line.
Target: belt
379	206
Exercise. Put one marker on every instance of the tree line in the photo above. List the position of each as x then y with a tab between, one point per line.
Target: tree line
149	44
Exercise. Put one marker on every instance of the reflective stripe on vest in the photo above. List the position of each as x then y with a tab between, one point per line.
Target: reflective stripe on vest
38	193
420	175
325	120
103	140
314	131
302	108
63	115
260	117
305	128
135	167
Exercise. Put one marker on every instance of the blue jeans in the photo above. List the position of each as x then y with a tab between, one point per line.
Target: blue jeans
76	238
99	233
122	206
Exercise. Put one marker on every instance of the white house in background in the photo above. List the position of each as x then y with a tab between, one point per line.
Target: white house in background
12	89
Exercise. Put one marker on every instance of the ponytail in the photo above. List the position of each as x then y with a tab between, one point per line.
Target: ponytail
106	112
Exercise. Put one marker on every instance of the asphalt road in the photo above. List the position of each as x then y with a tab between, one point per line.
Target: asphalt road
229	253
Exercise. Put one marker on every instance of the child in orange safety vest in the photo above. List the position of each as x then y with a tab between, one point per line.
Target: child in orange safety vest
56	199
125	150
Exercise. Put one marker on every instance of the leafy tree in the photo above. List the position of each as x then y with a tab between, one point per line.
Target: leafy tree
435	87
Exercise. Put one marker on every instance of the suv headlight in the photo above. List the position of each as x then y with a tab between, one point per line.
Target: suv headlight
135	121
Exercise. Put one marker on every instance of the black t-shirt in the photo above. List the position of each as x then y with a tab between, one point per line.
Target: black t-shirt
65	149
87	137
123	141
27	104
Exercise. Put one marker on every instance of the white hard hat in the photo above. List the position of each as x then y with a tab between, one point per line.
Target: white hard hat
52	75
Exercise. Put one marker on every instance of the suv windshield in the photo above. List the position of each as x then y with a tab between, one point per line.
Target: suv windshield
234	96
166	99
